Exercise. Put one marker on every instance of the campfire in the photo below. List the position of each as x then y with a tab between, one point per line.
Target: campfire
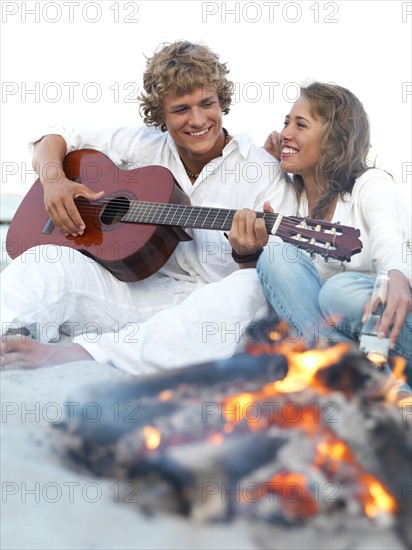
291	440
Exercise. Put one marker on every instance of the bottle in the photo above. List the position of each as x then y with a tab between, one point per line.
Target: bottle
376	349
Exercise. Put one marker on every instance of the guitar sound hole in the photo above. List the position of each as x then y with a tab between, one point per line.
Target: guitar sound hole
114	210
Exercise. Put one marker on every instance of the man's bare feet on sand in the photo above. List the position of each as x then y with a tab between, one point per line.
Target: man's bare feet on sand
19	352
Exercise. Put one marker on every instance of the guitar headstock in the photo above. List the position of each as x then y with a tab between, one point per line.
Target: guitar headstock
327	239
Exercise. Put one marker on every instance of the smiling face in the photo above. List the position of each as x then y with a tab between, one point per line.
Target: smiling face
194	122
301	141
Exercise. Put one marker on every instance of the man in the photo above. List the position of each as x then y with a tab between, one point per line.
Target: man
197	306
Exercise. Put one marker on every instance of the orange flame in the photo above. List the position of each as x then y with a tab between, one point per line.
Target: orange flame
398	367
394	394
304	366
152	437
377	499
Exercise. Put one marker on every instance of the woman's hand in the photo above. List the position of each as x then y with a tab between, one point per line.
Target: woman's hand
398	306
272	145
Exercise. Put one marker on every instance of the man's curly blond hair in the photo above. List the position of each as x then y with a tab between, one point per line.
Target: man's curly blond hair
179	68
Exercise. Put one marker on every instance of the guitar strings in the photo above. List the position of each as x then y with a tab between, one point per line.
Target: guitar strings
289	229
314	239
147	210
144	208
152	209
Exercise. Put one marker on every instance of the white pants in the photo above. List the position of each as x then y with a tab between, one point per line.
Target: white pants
157	323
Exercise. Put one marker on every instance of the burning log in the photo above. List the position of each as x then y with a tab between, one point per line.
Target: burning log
167	395
286	437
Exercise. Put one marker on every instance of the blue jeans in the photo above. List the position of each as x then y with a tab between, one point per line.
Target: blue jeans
321	312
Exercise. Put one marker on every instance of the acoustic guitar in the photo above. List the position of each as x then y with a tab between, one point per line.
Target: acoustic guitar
136	227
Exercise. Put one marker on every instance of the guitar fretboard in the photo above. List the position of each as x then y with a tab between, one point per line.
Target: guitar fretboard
198	217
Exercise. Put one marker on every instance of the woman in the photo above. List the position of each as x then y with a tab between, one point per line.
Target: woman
324	146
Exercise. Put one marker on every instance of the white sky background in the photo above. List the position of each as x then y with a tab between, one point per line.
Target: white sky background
99	48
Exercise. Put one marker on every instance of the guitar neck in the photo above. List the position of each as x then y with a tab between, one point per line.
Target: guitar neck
315	236
198	217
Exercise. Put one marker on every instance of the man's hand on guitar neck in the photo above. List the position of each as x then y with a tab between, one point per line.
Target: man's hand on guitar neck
60	192
248	234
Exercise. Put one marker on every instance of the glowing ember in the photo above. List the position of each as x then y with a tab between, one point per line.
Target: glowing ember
152	437
165	395
406	402
377	358
216	439
244	407
377	500
293	489
274	336
336	451
241	400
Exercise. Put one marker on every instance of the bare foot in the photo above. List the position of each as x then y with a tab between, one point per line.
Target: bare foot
19	352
